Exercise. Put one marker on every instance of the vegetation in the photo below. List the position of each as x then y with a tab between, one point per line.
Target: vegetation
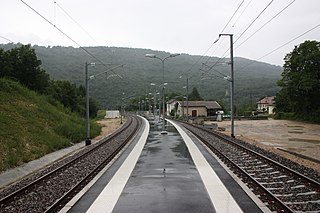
38	115
21	64
194	95
67	63
299	97
31	127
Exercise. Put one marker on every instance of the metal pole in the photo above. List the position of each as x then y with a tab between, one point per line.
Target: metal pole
139	106
154	103
232	86
232	82
159	108
187	98
163	107
88	141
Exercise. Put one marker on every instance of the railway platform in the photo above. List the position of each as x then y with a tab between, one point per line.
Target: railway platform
164	173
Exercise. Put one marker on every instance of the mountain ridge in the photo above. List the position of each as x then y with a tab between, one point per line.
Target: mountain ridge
67	63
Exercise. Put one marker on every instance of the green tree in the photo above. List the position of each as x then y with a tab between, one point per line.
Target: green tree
300	81
194	95
65	92
21	64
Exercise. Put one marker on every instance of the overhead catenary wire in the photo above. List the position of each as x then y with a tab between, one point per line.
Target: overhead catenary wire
77	23
234	13
286	43
232	16
215	40
240	15
66	35
6	39
265	24
254	20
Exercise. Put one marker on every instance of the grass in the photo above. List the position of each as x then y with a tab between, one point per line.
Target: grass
31	127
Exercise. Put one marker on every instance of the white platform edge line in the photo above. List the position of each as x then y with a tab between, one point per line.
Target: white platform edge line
109	196
221	199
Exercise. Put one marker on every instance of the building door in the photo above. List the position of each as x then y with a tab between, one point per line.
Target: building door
194	113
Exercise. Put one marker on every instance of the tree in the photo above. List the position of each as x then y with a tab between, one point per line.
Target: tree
22	65
194	95
300	83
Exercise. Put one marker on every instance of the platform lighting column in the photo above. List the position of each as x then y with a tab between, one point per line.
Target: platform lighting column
163	106
232	82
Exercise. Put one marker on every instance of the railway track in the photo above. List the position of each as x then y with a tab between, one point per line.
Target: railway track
281	184
50	189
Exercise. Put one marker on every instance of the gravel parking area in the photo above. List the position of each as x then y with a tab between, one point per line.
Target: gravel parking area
298	137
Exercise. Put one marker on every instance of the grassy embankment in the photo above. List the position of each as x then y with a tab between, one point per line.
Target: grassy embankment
31	127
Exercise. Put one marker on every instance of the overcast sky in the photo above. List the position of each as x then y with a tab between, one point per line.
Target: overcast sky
176	26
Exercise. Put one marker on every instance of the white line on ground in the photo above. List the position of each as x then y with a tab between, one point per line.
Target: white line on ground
220	197
109	196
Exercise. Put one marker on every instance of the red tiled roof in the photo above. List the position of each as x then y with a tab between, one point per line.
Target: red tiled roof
269	100
207	104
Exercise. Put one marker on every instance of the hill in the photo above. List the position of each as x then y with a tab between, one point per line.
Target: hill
67	63
33	125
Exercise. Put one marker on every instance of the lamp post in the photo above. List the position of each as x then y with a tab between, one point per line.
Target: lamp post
163	107
87	78
187	96
231	79
154	99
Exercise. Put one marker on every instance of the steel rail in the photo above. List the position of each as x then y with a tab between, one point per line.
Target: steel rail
279	204
69	195
29	186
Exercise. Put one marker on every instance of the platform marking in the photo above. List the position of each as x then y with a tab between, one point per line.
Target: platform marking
109	196
219	195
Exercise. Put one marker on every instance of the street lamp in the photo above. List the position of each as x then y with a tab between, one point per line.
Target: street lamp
162	60
87	78
187	88
231	79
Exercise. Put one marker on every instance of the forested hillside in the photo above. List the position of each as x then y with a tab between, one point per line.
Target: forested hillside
67	63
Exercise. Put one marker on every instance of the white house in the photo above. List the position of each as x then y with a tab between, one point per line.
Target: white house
266	104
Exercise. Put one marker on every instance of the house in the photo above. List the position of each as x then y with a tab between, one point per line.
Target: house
198	108
171	105
266	104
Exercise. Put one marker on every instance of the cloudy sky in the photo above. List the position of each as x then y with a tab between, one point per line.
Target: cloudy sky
176	26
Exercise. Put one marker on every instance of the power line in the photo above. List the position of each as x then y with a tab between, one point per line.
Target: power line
266	23
6	39
241	34
215	40
66	35
240	15
254	21
313	28
77	23
232	16
223	30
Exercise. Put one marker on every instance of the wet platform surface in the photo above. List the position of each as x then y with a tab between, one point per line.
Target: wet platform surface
165	178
